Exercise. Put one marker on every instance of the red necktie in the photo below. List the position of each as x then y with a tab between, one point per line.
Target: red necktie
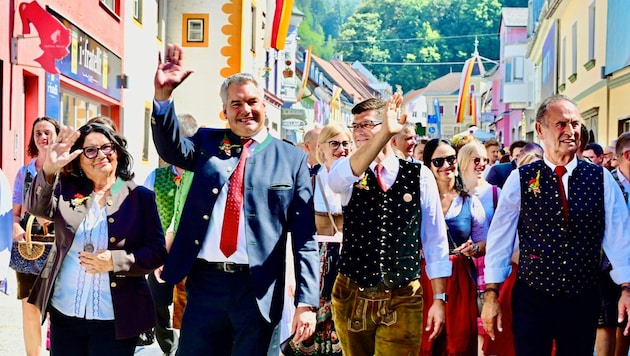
379	177
233	205
560	171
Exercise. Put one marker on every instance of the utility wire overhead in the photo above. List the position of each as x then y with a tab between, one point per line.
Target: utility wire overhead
417	38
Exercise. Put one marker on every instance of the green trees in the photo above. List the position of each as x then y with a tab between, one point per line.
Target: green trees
403	42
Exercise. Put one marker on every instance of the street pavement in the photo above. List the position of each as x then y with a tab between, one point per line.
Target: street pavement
11	341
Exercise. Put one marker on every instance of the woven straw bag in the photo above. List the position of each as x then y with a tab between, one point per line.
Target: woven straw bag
35	244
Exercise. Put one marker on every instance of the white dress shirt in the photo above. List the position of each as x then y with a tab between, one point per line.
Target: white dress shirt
625	183
210	250
333	199
77	293
502	233
433	227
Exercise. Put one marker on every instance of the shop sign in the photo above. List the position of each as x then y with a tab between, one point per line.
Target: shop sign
52	96
293	124
90	63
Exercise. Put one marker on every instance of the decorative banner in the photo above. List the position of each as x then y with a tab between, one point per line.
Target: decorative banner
548	69
472	107
464	89
280	16
438	116
54	36
335	96
305	71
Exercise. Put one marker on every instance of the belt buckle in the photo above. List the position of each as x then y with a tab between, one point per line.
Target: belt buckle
227	267
374	292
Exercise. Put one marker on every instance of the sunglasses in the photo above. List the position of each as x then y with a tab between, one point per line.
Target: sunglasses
335	144
365	125
439	162
92	151
478	160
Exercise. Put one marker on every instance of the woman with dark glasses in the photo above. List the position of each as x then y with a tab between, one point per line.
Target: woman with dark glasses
333	143
108	237
467	230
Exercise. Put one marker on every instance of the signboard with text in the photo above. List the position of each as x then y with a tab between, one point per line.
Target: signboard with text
53	98
90	63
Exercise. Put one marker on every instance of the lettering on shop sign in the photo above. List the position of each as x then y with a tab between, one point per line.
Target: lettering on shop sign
90	62
92	59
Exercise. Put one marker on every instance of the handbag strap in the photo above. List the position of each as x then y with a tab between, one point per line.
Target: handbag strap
321	190
29	228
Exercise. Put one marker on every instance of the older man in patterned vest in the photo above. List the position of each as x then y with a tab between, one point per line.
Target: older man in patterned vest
564	211
391	210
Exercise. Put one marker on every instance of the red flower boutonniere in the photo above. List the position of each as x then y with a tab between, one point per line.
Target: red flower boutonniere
362	184
78	199
177	180
226	146
534	185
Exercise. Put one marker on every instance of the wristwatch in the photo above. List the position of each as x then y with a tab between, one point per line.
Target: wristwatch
441	296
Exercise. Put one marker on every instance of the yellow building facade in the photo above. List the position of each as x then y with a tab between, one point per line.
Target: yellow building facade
579	32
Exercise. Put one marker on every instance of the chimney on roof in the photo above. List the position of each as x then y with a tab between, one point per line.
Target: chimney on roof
338	56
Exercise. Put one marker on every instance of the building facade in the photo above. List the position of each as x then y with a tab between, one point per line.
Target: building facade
59	63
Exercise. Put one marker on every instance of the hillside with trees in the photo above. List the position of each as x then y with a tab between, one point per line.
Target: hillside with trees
403	42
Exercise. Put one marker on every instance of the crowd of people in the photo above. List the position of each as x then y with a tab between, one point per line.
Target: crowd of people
380	241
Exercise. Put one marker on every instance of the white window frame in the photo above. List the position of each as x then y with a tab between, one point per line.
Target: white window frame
591	30
574	49
137	10
563	67
192	32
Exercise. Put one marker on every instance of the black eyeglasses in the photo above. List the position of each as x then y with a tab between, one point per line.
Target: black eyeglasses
92	151
478	160
365	124
439	162
335	144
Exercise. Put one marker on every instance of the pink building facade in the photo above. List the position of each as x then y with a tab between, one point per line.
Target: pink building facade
509	89
59	58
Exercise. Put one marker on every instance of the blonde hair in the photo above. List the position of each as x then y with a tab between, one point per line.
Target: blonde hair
528	157
329	131
465	154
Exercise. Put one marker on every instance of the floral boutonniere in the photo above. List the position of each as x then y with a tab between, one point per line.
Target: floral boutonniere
177	180
226	146
534	185
362	184
78	199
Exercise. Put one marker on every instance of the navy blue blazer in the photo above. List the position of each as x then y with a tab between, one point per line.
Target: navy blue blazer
136	241
278	200
499	173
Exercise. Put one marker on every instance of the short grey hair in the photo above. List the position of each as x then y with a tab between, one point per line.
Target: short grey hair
623	143
188	126
238	78
408	126
543	108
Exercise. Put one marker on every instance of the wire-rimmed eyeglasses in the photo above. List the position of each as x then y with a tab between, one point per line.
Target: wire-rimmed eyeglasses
365	124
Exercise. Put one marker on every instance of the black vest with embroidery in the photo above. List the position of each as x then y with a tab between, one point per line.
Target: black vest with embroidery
555	257
381	230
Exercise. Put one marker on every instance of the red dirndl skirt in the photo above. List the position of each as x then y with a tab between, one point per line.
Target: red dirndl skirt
460	334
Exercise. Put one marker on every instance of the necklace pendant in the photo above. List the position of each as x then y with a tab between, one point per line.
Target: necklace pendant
88	248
